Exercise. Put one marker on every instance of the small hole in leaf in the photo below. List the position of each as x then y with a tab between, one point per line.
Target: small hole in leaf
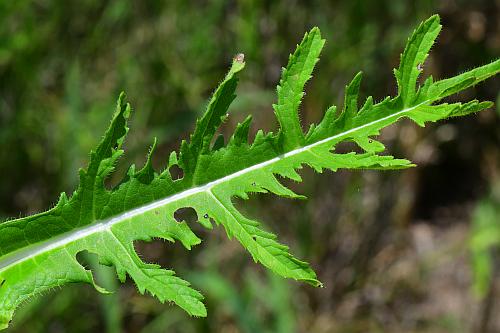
187	214
176	172
254	238
370	141
104	276
205	216
84	259
2	282
347	147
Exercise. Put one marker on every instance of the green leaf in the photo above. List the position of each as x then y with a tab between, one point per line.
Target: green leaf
38	252
211	120
465	80
413	58
291	88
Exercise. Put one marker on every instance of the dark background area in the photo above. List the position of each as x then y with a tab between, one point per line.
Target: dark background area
394	249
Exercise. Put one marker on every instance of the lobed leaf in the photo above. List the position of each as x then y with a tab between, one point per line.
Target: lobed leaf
38	252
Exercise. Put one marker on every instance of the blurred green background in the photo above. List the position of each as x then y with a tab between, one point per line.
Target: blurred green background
404	251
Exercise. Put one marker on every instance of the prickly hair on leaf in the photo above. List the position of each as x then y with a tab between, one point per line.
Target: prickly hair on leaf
38	252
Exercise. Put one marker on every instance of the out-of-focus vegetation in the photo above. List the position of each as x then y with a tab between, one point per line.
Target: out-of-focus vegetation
390	247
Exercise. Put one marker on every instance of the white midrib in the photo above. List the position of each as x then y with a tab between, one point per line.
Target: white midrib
105	225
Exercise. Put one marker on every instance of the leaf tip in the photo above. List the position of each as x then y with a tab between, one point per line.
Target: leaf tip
238	63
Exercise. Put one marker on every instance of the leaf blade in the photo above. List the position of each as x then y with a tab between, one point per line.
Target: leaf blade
108	222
